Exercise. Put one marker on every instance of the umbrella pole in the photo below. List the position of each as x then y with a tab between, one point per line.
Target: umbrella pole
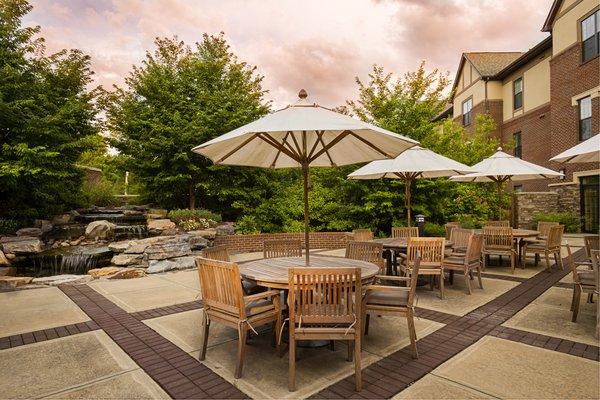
407	198
306	240
499	183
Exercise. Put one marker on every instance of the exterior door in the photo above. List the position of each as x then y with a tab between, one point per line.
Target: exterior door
590	193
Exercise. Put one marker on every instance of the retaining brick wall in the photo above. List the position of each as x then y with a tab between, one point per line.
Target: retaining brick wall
251	243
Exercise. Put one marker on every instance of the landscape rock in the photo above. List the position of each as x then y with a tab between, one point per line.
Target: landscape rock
137	248
100	272
128	273
126	259
197	242
8	271
63	219
162	227
35	232
119	247
168	250
99	230
157	266
21	244
3	260
156	213
209	233
225	229
10	256
132	212
12	282
66	279
44	224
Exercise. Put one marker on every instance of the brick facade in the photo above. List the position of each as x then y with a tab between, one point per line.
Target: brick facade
251	243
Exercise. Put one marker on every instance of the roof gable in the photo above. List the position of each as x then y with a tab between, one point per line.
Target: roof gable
556	5
487	64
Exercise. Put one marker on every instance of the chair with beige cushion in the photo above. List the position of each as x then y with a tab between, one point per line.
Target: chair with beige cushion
362	235
404	232
584	281
549	246
467	262
460	239
325	304
221	253
225	303
449	227
498	241
366	251
431	251
385	298
282	248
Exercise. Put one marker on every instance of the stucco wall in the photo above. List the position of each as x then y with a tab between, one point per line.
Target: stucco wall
565	30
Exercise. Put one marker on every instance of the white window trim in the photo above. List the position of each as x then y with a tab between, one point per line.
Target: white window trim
593	93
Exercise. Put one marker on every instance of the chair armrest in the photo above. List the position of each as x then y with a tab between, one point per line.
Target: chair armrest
261	295
402	255
393	278
385	288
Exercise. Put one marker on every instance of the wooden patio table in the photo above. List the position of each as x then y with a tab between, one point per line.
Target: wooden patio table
519	235
394	246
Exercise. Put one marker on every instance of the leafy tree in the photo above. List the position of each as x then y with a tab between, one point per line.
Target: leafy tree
178	98
47	119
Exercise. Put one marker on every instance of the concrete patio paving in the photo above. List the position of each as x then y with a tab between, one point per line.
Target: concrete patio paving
515	334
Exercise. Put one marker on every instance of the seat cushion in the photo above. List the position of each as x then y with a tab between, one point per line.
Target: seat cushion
258	306
250	287
454	259
586	278
389	298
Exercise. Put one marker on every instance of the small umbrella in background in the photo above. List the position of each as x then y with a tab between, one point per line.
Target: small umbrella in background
587	151
502	167
414	163
304	135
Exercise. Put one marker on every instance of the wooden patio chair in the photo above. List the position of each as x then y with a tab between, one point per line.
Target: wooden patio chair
225	302
383	299
460	239
282	248
549	246
498	241
325	304
449	227
431	250
219	253
404	232
362	235
584	281
467	262
366	251
505	224
592	242
543	227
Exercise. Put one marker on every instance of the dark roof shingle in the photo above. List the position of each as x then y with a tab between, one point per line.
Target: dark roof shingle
490	63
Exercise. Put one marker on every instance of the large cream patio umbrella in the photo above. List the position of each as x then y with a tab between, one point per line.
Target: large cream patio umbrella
502	167
414	163
304	135
587	151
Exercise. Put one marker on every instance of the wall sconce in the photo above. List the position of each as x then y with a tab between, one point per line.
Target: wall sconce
564	174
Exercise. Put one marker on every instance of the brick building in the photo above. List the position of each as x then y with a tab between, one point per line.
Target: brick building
544	101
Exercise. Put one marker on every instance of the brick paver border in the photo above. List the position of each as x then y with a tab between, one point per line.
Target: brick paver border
42	335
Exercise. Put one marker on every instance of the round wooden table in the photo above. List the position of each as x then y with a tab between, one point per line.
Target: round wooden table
396	245
273	272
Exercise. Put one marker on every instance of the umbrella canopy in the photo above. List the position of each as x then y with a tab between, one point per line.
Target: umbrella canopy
587	151
414	163
304	135
502	167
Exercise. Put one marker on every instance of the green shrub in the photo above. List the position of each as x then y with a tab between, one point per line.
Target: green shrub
101	195
199	214
571	222
434	230
247	225
8	226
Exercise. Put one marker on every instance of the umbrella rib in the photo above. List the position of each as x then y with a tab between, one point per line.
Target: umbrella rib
330	145
270	140
326	151
283	143
370	144
298	151
312	150
236	149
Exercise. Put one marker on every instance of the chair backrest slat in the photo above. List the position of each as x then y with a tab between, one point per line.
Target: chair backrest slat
220	282
474	248
592	242
498	223
449	227
555	234
460	237
497	237
366	251
404	232
282	248
216	253
362	235
326	296
430	250
543	227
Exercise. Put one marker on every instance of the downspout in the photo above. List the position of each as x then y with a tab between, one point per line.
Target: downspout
487	107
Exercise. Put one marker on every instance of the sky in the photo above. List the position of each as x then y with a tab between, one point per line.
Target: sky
320	46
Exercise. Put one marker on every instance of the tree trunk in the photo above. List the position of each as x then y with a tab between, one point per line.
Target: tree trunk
192	193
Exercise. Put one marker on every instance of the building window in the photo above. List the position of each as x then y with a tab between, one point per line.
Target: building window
517	140
518	93
518	188
590	36
585	118
467	116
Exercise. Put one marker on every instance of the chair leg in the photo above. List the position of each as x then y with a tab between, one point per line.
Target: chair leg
484	261
357	359
277	334
292	365
242	331
573	297
350	348
412	333
442	285
577	300
479	277
547	260
332	345
468	282
512	263
537	259
366	323
558	260
204	336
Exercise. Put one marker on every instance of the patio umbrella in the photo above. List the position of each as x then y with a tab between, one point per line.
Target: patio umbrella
584	152
304	135
502	167
414	163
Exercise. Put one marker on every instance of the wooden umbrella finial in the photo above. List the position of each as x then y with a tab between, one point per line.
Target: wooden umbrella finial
302	94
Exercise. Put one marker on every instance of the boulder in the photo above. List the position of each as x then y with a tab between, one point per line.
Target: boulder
126	259
132	212
209	233
44	224
99	230
157	266
156	213
128	273
63	219
3	260
21	244
12	282
197	242
34	232
136	247
225	229
100	272
119	247
168	250
8	271
162	227
62	280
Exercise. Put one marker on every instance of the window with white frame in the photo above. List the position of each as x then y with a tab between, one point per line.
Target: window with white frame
467	107
585	118
590	36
